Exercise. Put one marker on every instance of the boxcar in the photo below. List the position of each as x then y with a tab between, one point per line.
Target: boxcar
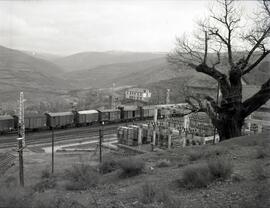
86	117
130	113
147	111
6	124
60	120
33	121
109	115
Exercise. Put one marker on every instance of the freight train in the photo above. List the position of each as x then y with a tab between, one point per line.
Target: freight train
70	119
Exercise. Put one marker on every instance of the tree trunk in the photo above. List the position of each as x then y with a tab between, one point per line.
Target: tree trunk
230	127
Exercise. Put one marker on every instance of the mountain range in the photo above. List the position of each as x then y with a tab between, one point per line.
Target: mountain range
48	77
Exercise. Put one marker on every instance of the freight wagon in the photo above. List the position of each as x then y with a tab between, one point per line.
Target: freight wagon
109	115
129	113
147	111
33	122
60	120
6	124
86	117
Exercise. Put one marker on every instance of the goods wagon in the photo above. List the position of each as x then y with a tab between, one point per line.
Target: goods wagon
6	123
60	120
109	115
130	112
86	117
147	111
33	122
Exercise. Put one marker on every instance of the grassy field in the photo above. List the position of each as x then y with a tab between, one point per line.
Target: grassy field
234	173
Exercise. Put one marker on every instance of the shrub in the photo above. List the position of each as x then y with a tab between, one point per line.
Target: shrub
259	172
163	163
44	184
196	176
261	152
195	155
152	195
45	173
15	197
131	167
51	201
107	166
220	168
148	193
82	177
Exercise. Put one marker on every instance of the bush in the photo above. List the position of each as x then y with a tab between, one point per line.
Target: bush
82	177
259	172
196	176
15	197
131	167
150	194
220	168
107	166
45	173
47	183
261	152
195	155
163	163
201	175
50	201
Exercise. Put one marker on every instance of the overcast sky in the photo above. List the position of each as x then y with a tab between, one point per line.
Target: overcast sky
66	27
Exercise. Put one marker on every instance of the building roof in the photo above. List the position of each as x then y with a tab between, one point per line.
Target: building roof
5	117
108	110
130	107
87	111
138	89
60	114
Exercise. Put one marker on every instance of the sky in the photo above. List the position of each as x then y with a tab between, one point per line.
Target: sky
66	27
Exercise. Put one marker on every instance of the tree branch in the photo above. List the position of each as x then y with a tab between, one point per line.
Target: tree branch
253	65
257	100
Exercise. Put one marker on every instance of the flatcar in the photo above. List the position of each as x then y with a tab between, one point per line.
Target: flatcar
129	113
60	120
109	115
33	122
7	124
86	117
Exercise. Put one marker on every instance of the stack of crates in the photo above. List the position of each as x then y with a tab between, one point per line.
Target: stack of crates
128	135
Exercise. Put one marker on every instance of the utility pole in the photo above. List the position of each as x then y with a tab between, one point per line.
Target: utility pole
52	149
21	139
100	141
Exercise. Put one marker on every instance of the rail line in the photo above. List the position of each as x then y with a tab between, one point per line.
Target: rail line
63	136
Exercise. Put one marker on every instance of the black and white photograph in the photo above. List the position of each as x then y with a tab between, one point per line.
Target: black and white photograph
134	103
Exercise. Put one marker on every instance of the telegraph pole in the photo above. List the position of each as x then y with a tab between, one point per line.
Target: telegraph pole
21	139
52	149
100	141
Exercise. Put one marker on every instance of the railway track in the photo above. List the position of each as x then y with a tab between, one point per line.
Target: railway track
61	136
72	134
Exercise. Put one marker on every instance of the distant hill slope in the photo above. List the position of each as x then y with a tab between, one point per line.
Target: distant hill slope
22	72
89	60
46	56
125	73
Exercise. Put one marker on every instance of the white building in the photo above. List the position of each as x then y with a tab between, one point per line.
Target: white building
138	94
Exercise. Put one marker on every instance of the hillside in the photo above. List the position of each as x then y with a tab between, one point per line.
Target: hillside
125	73
234	173
89	60
22	72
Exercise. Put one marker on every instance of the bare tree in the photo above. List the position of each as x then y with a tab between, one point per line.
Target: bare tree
214	51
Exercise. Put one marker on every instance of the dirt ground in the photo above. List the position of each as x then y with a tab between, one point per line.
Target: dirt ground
248	185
